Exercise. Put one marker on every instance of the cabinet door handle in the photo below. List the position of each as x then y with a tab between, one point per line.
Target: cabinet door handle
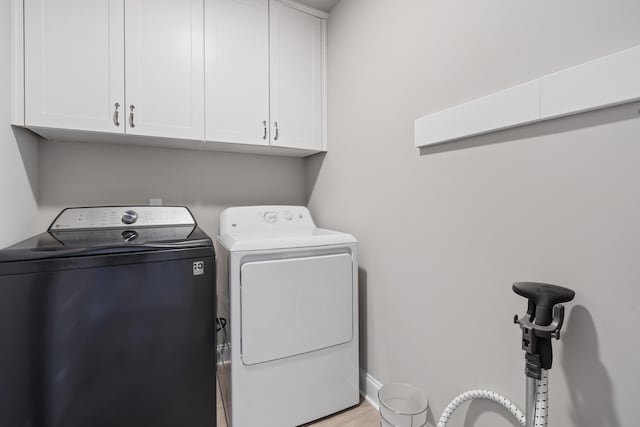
131	124
264	124
277	131
115	114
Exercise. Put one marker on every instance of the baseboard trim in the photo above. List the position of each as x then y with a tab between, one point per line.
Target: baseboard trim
369	388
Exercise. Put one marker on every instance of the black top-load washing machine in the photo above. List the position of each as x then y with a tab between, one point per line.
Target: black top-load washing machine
107	319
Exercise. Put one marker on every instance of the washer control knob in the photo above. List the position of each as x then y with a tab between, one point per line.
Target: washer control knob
129	235
270	217
288	216
129	217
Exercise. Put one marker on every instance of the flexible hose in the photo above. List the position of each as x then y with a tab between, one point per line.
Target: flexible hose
542	403
542	400
481	394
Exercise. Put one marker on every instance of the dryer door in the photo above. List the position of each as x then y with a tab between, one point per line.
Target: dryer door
295	305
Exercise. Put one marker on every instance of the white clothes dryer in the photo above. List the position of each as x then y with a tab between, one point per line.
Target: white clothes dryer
287	317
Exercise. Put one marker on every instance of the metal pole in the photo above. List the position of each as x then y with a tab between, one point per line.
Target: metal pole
531	402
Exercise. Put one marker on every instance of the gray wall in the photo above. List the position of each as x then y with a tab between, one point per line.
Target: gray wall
445	231
18	155
83	174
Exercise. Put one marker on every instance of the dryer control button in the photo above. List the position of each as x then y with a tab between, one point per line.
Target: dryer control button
270	217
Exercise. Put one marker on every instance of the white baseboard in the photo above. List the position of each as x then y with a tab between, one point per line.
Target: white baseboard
369	388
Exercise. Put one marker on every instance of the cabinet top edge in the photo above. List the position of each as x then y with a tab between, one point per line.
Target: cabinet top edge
306	9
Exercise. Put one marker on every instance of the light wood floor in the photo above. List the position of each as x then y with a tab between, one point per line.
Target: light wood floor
363	415
220	419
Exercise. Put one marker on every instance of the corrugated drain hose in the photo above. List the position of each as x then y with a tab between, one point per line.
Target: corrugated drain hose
541	403
480	394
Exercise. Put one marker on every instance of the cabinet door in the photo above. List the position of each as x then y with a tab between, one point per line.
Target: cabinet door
165	68
296	78
237	71
74	64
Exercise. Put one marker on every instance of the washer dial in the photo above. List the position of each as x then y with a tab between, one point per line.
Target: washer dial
129	217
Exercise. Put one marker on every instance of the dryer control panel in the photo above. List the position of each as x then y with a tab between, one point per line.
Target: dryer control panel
257	219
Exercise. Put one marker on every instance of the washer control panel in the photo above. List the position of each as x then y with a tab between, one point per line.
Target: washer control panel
122	216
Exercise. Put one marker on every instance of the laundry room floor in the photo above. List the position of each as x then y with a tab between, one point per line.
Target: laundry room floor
363	415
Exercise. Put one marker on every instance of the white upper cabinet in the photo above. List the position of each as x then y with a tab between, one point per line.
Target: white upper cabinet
236	75
165	68
237	71
264	74
296	48
74	64
75	72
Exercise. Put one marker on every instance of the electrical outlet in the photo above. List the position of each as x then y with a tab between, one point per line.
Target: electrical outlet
155	202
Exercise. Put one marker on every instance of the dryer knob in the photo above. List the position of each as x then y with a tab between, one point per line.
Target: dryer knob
270	217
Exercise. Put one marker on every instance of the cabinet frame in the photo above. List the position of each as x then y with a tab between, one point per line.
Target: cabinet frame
17	62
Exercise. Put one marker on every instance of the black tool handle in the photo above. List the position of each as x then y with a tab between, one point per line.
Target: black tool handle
542	297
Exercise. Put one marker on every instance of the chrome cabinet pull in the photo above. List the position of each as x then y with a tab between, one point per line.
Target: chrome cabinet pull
264	135
277	131
115	114
131	124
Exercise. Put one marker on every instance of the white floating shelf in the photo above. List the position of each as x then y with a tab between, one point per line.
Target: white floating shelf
603	82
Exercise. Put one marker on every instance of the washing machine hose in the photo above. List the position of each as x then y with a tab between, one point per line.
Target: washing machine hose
541	408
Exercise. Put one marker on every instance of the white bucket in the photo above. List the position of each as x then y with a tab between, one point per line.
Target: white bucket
402	405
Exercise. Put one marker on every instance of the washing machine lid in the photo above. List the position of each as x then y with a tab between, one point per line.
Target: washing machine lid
252	228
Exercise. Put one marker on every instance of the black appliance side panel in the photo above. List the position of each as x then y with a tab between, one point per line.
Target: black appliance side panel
20	348
127	346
